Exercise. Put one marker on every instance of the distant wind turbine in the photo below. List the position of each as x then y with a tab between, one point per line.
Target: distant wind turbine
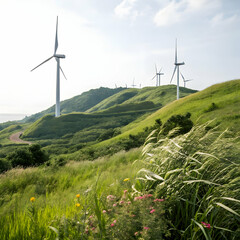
158	76
57	58
177	64
133	83
185	80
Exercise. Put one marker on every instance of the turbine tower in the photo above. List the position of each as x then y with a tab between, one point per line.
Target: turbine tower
57	58
177	64
185	80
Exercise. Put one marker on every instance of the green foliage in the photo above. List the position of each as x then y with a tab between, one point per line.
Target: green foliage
181	122
26	157
212	107
198	175
4	165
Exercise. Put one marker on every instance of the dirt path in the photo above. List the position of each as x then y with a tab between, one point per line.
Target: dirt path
15	138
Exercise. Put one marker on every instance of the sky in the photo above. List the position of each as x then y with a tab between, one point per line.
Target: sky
110	43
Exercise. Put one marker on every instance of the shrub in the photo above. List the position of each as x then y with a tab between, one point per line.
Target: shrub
26	157
4	165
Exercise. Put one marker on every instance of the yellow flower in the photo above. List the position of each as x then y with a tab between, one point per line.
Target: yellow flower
77	204
78	195
126	179
32	199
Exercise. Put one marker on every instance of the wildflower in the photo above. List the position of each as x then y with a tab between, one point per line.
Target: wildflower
77	204
115	221
121	202
146	228
32	199
78	195
129	202
126	179
158	200
152	211
207	225
136	233
104	211
150	195
125	191
112	225
110	197
114	205
93	228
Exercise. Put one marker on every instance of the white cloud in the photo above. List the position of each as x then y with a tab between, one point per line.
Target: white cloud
170	14
125	9
220	20
178	11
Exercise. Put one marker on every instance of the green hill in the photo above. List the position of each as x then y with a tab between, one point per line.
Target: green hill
159	96
219	103
79	103
123	107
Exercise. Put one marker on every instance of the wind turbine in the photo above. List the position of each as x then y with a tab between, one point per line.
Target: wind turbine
185	80
177	64
133	83
57	58
158	76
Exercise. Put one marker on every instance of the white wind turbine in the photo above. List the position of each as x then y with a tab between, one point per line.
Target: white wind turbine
57	57
158	76
177	64
185	80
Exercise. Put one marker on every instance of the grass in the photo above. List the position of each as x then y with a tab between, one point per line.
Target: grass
55	190
198	173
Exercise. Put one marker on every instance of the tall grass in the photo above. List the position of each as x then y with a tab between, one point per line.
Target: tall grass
198	174
55	192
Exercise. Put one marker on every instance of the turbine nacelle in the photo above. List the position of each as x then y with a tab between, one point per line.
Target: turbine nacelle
179	64
59	56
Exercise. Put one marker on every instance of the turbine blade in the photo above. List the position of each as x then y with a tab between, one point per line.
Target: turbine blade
56	38
41	63
63	72
176	51
154	76
156	68
182	77
173	73
188	80
160	70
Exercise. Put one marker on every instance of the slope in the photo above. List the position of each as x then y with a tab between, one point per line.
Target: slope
154	96
219	103
79	103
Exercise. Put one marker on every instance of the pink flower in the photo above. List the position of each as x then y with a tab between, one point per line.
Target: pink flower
152	211
150	195
129	202
115	221
158	200
136	233
93	228
146	228
207	225
121	202
114	205
125	191
110	197
104	211
112	225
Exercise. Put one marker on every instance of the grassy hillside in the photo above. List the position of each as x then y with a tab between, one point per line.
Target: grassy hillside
219	102
79	103
159	96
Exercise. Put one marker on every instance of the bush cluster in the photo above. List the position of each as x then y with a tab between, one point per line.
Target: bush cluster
27	157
